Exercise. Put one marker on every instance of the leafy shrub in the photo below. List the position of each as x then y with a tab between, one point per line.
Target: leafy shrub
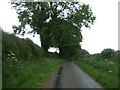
103	67
22	48
25	64
108	53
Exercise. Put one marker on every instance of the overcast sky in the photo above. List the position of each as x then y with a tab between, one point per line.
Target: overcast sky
103	34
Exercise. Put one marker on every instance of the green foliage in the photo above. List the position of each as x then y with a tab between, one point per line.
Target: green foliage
68	37
103	70
56	28
28	74
106	78
21	48
25	64
78	54
83	53
108	53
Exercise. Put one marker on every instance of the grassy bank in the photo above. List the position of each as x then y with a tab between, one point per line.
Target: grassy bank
105	71
22	48
25	64
28	74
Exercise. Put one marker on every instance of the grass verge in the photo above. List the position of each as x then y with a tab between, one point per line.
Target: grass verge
101	71
28	74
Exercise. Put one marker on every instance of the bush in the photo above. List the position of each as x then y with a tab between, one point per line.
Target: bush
105	71
108	53
22	48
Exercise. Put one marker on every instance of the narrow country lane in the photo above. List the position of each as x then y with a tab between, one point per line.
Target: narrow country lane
69	75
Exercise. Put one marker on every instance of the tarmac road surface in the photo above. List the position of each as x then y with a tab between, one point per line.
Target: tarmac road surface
69	75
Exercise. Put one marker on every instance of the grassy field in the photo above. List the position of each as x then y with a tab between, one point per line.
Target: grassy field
105	71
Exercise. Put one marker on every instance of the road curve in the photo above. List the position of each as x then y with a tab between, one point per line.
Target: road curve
69	75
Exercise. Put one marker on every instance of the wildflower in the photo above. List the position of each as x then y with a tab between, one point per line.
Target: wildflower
8	54
12	57
110	71
37	84
106	59
111	63
10	65
12	53
16	60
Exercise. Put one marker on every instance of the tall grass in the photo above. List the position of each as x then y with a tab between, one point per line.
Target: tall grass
22	48
28	73
105	71
25	64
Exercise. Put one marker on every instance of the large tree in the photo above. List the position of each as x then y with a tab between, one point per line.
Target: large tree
64	35
58	23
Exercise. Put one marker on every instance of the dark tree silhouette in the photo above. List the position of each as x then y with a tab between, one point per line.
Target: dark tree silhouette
58	23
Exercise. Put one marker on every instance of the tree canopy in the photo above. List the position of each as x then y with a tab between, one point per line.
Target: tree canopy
108	53
58	23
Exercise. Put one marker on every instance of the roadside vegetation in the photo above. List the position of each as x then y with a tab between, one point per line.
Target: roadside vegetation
103	67
25	64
